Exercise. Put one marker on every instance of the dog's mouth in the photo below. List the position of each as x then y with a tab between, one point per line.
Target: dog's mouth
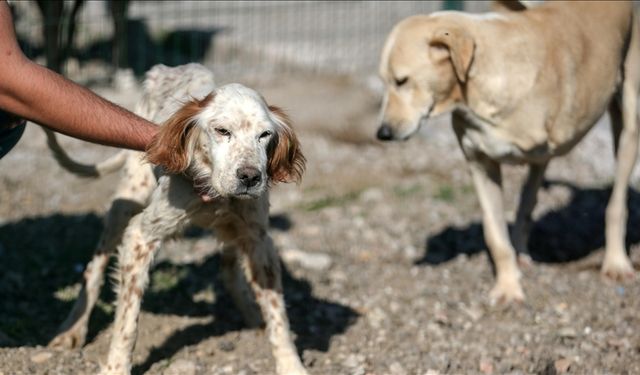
403	131
204	189
246	193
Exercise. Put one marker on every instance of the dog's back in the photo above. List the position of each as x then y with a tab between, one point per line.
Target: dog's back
165	89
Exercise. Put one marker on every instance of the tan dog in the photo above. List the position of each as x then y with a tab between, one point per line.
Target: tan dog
523	87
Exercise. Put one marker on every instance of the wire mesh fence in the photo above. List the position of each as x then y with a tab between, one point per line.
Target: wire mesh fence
234	38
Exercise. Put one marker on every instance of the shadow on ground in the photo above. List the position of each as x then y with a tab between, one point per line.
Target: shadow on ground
565	234
143	51
315	321
43	257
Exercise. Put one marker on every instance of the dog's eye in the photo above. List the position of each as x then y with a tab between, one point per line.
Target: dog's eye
223	132
401	81
265	134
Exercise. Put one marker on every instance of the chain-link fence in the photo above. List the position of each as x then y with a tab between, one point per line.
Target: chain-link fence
234	38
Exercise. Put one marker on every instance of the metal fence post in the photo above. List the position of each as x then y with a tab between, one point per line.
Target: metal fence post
453	4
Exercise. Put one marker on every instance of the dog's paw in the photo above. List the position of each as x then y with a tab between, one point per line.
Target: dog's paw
294	367
524	260
617	269
72	339
113	370
506	292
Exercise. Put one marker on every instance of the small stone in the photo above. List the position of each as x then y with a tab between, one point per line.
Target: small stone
376	317
486	367
397	369
562	365
567	332
181	367
314	261
41	357
226	346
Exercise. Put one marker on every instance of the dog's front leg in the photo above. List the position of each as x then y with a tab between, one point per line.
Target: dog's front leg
265	280
164	216
487	179
624	121
134	258
528	200
233	266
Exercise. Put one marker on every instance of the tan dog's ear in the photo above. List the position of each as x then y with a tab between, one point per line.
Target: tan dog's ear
286	162
170	148
461	47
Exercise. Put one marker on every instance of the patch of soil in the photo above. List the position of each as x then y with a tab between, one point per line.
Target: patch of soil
405	288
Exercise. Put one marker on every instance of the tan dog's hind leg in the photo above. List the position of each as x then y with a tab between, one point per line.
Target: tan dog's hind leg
234	276
528	200
265	280
487	179
616	263
129	199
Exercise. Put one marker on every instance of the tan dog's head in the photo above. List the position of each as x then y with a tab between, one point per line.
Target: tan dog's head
424	65
231	142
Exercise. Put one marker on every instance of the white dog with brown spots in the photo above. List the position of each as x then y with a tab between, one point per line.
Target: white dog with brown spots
523	87
233	145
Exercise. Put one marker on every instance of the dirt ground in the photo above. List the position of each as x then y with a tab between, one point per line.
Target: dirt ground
386	269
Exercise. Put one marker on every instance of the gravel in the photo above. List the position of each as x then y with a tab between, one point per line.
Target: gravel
385	268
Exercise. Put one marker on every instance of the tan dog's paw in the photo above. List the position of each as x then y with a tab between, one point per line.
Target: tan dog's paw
506	292
67	340
293	367
617	269
524	260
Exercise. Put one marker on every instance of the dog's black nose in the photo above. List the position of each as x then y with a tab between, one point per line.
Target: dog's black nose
385	133
249	176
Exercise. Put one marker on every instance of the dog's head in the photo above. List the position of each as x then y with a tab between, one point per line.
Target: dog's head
424	65
230	142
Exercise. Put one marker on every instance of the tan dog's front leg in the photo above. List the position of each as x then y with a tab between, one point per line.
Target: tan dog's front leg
264	267
134	258
488	182
617	264
528	200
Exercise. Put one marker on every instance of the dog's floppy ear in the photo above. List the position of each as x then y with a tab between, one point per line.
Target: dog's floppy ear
171	146
286	162
460	45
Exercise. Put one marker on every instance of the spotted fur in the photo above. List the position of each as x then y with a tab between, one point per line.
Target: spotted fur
232	146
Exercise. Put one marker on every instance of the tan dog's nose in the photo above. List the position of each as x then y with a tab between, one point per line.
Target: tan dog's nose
385	133
249	176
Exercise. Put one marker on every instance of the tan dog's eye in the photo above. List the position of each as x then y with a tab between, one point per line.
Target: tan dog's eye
264	135
223	132
401	81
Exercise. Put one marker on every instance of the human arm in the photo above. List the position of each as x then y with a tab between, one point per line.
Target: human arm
46	98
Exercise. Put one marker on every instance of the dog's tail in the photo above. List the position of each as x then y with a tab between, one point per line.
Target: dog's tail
102	168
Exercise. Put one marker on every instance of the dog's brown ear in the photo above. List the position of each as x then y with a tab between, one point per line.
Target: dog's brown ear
170	146
461	47
286	162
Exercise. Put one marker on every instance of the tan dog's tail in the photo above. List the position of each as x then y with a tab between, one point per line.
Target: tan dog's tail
102	168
